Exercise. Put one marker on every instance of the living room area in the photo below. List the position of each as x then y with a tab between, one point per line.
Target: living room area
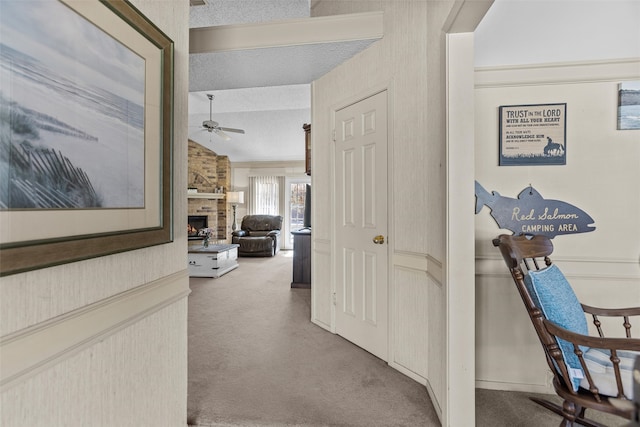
245	209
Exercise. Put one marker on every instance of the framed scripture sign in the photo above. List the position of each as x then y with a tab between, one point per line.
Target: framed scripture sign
86	132
533	134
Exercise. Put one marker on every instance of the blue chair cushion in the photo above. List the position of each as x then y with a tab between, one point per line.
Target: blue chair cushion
554	296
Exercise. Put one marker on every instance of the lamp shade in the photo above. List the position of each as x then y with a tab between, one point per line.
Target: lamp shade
236	197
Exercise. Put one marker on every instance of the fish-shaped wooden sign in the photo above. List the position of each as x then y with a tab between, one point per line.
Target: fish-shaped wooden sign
532	214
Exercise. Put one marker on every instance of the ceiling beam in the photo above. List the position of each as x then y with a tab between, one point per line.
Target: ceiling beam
293	32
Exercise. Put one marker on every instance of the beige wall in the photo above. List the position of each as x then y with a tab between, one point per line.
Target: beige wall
104	341
409	63
601	177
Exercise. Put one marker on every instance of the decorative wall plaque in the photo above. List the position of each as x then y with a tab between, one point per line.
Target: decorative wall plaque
532	214
533	134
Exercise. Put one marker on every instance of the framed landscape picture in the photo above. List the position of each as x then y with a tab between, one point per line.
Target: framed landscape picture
629	105
533	134
85	132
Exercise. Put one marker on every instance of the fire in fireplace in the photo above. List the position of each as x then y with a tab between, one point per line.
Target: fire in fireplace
196	222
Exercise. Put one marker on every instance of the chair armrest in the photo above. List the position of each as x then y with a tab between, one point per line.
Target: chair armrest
623	313
630	344
239	233
598	311
273	233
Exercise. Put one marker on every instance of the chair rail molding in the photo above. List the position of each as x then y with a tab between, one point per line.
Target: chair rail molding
31	350
557	73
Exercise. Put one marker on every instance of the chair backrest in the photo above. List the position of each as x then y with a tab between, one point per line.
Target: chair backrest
261	222
523	254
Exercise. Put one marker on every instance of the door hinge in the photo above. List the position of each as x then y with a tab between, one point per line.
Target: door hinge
334	298
333	135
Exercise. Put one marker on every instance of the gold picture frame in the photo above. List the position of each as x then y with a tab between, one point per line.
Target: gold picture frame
33	238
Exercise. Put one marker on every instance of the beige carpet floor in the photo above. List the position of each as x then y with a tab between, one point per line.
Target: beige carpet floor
255	359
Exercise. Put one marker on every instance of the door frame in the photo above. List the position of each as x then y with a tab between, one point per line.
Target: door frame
371	91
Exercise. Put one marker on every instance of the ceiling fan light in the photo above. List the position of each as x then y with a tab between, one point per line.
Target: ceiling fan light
222	134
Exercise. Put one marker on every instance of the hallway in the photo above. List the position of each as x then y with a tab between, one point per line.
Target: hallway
256	359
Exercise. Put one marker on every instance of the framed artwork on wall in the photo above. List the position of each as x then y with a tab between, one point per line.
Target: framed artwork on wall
533	134
86	142
629	105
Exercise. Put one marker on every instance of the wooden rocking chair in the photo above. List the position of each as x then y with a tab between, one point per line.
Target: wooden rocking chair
589	372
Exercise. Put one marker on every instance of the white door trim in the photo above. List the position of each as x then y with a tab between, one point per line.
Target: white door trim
460	234
371	91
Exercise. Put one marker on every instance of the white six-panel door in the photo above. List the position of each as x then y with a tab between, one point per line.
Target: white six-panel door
361	255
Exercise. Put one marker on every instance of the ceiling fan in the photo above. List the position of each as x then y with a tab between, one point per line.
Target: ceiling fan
213	126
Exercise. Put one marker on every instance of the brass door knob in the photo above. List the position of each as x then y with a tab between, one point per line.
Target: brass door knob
378	240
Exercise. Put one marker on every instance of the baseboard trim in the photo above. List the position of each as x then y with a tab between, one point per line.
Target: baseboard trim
407	372
434	401
506	386
31	350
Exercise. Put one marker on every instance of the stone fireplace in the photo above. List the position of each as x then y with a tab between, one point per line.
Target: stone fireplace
209	173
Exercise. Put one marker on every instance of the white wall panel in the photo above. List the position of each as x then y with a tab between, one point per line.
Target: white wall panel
436	355
601	177
109	382
410	316
508	353
321	288
134	378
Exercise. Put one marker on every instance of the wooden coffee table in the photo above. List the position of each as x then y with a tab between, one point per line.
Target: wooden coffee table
212	261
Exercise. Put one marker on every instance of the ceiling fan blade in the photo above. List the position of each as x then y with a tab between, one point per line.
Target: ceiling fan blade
231	129
222	134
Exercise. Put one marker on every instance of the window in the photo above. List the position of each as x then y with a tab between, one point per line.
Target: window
295	208
296	204
265	195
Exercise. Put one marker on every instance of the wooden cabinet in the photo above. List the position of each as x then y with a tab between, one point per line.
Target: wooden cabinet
307	148
301	258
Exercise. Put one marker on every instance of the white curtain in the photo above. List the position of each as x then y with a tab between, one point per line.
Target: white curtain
266	195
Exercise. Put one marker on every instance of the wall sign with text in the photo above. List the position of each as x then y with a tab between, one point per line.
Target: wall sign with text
533	134
532	214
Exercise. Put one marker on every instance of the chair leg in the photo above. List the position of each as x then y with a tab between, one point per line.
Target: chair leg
578	418
568	413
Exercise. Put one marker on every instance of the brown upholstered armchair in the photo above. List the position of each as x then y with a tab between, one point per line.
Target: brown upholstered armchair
259	235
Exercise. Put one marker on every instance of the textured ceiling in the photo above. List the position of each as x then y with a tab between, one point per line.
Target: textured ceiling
266	91
226	12
268	67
